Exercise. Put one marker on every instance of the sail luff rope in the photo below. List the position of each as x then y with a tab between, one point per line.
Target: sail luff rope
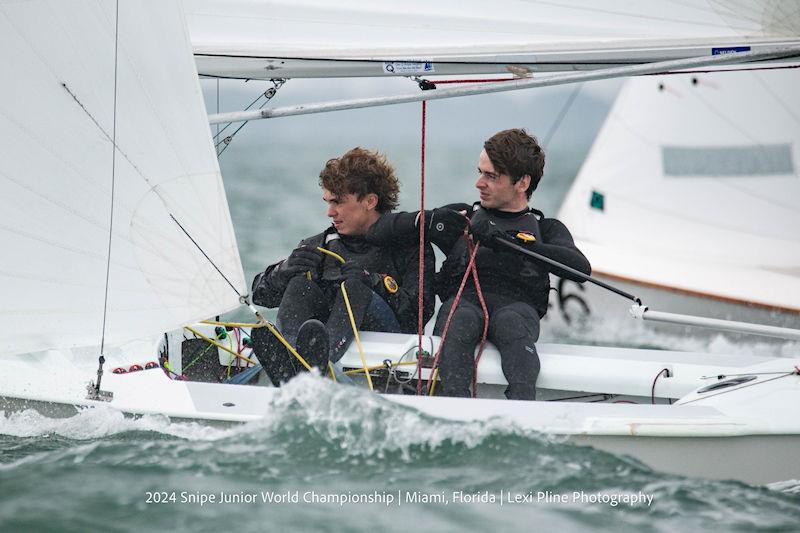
113	183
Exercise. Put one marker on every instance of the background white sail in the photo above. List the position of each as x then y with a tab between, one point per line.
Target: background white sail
306	38
56	124
693	184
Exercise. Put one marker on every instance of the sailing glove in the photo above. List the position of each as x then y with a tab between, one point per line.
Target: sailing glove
301	260
445	226
487	233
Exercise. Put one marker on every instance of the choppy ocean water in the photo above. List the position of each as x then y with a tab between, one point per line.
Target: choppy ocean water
329	447
330	458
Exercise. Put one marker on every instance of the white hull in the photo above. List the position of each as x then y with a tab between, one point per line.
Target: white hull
748	433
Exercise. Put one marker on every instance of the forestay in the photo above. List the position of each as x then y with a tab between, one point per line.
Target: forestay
57	121
692	184
273	38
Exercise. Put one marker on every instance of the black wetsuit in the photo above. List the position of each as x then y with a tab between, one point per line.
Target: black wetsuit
318	295
515	288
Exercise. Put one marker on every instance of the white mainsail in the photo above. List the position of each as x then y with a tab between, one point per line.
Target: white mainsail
265	39
693	184
57	121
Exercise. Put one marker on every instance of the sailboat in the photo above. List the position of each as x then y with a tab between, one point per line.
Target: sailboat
685	196
117	236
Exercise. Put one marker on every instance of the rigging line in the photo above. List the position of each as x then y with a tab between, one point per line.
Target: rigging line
113	183
725	376
727	391
714	71
207	257
421	296
251	104
561	115
724	182
725	118
777	98
277	83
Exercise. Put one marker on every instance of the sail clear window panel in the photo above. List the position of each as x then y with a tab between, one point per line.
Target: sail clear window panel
733	161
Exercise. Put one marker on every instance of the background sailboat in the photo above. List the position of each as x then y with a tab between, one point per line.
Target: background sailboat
687	195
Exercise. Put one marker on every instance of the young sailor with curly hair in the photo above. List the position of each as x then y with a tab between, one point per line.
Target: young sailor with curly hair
381	280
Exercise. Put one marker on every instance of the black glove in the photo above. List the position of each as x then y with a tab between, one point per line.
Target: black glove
487	233
302	259
445	226
355	272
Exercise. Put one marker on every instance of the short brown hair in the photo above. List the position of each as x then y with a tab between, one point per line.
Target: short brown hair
362	172
516	153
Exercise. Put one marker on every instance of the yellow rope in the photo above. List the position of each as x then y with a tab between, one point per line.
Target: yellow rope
277	334
233	324
377	367
332	254
265	324
433	379
220	346
288	346
355	333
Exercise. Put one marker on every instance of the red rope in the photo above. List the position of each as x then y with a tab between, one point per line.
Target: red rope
486	80
474	270
420	323
450	315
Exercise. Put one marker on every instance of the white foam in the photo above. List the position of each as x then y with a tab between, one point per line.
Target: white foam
363	423
790	486
99	422
360	422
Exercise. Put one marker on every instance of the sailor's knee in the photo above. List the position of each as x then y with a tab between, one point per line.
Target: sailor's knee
466	325
511	324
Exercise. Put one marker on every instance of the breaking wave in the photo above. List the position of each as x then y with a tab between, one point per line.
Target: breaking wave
328	438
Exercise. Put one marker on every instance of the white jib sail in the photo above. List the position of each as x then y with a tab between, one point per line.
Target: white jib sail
57	119
693	184
307	38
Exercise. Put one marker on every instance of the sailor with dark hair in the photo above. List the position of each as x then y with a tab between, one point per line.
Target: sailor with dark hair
382	281
515	287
